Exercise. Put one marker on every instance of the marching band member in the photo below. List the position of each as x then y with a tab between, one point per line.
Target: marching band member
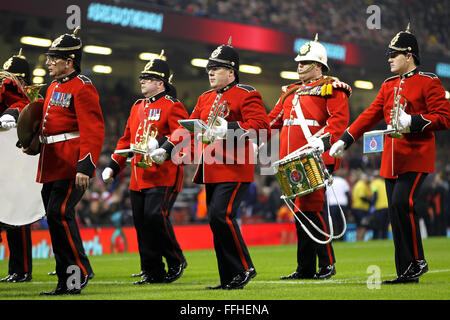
71	139
226	180
315	103
426	111
12	100
153	189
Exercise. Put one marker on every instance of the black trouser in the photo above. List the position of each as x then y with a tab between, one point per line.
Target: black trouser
19	243
60	198
156	238
338	222
307	249
222	201
402	196
381	217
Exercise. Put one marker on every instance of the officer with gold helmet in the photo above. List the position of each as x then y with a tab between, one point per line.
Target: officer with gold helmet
14	99
412	103
315	106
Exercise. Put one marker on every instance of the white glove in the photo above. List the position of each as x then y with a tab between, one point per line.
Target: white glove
220	131
107	175
159	155
207	137
7	122
317	143
404	120
337	149
214	133
152	144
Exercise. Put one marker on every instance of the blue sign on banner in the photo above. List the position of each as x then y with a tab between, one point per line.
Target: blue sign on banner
373	141
443	69
125	17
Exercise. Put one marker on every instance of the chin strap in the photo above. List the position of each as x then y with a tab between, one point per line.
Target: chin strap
312	66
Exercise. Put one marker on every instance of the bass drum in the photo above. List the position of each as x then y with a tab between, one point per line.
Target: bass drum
20	196
28	126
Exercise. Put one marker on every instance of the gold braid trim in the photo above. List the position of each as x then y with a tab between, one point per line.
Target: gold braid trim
325	83
288	93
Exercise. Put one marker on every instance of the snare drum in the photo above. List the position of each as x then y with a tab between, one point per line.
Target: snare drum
300	173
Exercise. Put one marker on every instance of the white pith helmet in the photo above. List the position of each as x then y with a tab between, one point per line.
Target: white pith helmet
313	51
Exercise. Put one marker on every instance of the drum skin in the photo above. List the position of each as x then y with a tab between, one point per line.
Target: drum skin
28	125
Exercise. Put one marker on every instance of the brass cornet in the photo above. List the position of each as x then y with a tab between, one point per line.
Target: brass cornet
395	108
141	143
222	110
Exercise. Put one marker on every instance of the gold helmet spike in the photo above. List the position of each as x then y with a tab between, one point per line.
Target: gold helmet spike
74	33
316	38
407	28
161	55
229	41
20	55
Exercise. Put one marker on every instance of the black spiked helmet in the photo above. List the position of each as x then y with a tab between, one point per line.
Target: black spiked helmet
159	69
224	56
156	68
405	42
18	66
67	46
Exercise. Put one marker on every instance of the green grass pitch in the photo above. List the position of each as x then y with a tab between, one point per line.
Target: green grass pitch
113	277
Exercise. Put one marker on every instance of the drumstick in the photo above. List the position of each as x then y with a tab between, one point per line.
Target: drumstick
308	145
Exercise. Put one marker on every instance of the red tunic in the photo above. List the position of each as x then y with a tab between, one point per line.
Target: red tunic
247	113
12	97
69	106
430	111
329	112
165	112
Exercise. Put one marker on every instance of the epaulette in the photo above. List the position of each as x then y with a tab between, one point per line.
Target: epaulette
342	85
207	91
137	101
174	100
245	87
84	79
391	78
428	74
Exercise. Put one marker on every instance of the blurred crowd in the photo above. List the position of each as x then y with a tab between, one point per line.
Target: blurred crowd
334	20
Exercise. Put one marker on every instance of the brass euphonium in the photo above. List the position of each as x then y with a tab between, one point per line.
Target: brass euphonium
395	114
141	143
31	91
222	110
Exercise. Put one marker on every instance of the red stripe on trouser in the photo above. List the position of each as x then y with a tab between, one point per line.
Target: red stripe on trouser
162	203
326	231
24	246
66	228
411	216
165	213
233	232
